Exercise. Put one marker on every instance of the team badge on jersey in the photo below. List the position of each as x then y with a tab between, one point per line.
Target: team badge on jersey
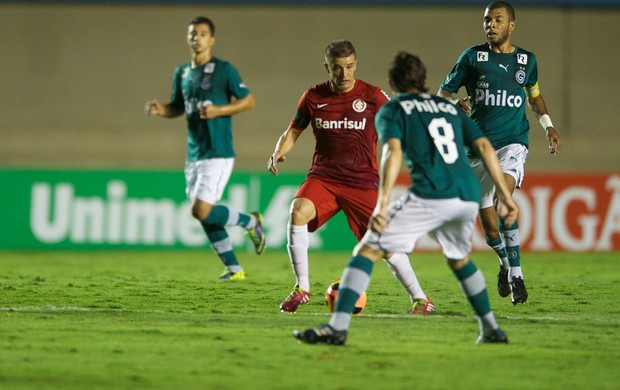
359	105
522	58
482	56
206	82
520	76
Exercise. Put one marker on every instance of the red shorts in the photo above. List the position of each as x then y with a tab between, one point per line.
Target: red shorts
329	198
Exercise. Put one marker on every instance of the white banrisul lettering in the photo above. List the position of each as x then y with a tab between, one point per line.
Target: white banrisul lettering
342	124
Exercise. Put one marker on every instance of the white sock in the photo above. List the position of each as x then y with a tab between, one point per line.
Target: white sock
400	266
487	324
516	272
298	243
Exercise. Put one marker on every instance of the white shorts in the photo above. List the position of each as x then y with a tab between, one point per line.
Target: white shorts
207	179
511	160
450	222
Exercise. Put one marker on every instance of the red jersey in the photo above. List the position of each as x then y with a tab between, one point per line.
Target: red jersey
344	129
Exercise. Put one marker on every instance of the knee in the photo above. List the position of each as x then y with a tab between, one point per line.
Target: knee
302	211
201	210
457	264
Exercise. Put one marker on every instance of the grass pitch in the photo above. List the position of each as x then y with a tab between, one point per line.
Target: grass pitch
163	320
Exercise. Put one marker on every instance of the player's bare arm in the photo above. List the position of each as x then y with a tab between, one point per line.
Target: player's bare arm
463	103
210	111
539	108
283	146
391	160
154	107
507	208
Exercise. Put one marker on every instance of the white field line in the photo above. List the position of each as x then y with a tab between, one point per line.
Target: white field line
52	308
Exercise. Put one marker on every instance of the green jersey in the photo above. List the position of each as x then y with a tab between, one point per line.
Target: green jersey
215	82
498	84
433	134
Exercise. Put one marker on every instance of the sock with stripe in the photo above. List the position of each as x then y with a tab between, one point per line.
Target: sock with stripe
511	238
224	216
473	285
221	244
353	283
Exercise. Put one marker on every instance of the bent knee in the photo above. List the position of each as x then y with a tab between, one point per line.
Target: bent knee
302	211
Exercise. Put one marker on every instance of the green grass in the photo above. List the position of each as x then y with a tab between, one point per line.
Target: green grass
163	320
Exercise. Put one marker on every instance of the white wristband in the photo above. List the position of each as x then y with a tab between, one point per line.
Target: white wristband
545	121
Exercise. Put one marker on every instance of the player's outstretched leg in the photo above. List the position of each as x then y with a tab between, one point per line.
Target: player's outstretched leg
402	270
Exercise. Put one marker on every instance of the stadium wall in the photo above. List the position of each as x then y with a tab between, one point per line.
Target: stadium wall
75	76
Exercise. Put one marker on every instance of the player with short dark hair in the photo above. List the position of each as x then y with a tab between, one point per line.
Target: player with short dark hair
500	79
210	91
431	133
343	176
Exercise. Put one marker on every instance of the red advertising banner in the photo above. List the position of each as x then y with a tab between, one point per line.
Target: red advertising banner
563	212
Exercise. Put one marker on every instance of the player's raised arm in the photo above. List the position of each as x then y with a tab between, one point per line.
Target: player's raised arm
283	146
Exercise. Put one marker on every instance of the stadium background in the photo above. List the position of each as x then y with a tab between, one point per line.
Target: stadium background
76	75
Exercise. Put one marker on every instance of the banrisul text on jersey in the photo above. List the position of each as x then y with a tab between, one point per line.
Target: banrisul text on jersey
345	123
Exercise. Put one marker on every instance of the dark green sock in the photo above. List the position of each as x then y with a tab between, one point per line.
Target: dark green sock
511	238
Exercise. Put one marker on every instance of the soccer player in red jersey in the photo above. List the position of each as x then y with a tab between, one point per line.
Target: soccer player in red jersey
344	174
